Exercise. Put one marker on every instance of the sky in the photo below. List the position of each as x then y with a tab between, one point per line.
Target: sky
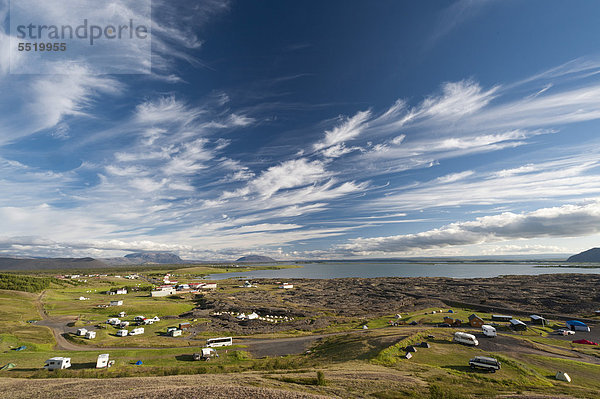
313	129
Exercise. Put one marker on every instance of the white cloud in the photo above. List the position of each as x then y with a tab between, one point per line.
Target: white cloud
563	221
348	129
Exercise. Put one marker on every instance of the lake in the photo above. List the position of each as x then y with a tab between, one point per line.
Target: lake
387	269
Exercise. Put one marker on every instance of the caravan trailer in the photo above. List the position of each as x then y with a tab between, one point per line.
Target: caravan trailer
215	342
488	330
102	361
58	363
464	338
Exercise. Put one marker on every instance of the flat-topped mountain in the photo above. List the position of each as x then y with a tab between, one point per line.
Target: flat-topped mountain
591	255
255	258
153	257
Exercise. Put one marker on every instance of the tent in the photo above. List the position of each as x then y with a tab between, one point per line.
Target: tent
424	345
20	348
9	366
408	355
411	348
577	325
451	311
138	363
562	376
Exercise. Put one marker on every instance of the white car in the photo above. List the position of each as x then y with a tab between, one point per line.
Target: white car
564	331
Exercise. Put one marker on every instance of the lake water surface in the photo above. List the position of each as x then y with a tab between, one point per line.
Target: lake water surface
373	269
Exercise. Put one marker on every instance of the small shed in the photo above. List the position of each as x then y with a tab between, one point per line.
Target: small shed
517	325
537	319
185	326
448	319
475	321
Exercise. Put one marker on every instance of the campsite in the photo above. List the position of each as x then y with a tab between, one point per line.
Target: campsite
281	337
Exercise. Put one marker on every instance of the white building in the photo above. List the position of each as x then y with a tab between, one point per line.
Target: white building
163	292
58	363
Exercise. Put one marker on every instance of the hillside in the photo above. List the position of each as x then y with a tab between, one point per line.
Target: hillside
50	263
153	257
255	258
591	255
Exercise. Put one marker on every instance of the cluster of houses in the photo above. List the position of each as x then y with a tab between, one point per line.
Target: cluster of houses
169	289
139	320
255	316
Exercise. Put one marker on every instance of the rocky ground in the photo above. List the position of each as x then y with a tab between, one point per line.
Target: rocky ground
318	304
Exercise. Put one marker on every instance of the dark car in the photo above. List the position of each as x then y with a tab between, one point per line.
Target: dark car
486	363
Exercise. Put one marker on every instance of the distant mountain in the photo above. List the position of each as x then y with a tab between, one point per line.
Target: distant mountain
50	263
591	255
153	257
255	258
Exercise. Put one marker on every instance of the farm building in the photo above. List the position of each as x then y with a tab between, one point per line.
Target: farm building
185	326
163	292
498	317
577	325
537	319
475	321
518	325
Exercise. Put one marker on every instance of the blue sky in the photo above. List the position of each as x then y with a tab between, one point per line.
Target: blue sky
314	129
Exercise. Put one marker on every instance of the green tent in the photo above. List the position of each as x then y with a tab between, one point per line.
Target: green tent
9	366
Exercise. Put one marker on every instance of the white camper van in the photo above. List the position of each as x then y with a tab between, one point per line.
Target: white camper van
58	363
102	361
488	330
464	338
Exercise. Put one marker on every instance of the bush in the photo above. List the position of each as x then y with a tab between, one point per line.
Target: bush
321	378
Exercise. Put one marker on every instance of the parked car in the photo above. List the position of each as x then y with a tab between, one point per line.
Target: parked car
485	363
564	331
